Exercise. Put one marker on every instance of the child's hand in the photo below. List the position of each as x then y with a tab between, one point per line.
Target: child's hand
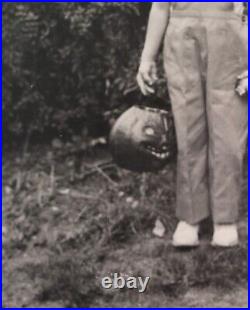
242	83
146	77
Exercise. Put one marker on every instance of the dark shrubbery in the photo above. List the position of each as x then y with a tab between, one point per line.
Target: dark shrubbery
66	64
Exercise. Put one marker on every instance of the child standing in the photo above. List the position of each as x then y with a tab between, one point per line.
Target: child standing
205	60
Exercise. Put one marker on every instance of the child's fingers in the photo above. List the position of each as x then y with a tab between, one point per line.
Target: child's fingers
242	87
155	77
154	74
145	89
241	91
141	84
147	78
149	90
244	75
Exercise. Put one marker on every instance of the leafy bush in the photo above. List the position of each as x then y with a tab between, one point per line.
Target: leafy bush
66	64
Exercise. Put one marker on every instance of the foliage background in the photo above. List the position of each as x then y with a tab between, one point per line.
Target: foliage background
67	66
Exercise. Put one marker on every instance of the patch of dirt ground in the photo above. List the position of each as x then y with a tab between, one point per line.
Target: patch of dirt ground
65	228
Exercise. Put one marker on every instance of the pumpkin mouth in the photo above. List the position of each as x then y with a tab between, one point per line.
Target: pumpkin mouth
158	152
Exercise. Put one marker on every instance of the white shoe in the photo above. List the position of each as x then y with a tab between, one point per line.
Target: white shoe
225	235
186	235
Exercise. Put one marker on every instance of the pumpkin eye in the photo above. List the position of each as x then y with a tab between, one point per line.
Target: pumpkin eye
149	131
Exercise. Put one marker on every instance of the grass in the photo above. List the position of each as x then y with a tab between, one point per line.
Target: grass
66	228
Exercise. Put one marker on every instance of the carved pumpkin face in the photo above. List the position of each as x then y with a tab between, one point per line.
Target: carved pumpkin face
142	139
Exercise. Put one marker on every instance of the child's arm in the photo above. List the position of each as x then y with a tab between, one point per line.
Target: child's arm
157	24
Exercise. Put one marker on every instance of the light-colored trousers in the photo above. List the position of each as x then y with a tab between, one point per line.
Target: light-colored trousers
203	55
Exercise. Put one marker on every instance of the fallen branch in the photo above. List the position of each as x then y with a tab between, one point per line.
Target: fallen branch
78	195
106	176
95	169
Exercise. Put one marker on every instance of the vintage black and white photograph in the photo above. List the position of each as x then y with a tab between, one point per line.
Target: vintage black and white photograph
125	162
